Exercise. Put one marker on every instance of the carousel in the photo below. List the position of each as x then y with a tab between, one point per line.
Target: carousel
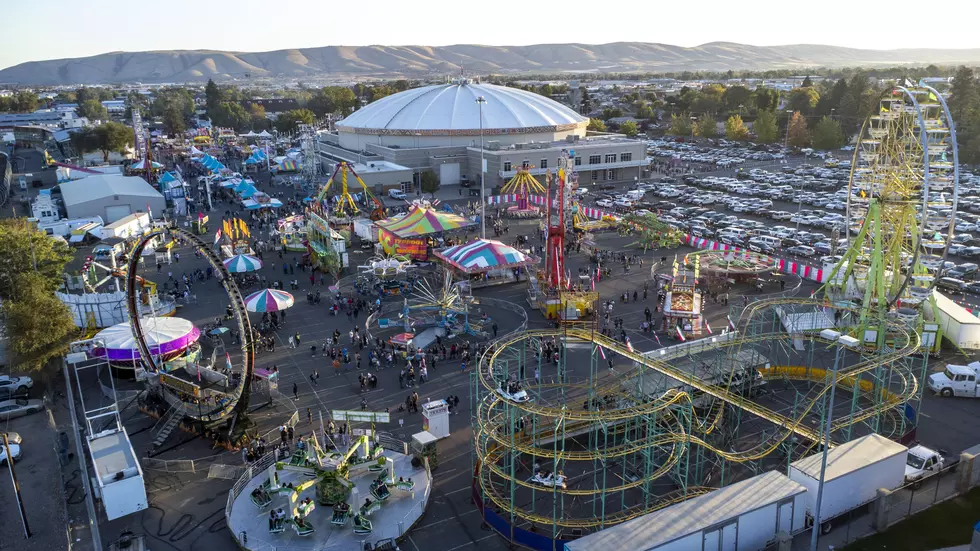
522	185
485	262
723	269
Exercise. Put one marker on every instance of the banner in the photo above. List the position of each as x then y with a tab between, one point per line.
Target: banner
413	248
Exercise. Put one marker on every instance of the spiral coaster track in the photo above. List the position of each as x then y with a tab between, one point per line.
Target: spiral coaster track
641	453
236	406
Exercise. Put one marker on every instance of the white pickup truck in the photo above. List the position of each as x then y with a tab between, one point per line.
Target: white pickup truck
922	462
957	380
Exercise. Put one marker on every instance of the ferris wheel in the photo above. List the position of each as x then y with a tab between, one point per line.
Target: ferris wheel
901	203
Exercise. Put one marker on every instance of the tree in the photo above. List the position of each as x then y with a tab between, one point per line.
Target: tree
797	133
585	105
765	128
428	182
611	113
706	127
680	125
173	121
289	121
596	125
230	115
964	94
39	325
93	110
212	95
629	128
735	129
803	99
380	91
830	102
23	102
322	102
807	83
827	134
107	137
766	99
857	103
735	97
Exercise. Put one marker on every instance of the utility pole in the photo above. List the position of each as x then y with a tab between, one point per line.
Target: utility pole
13	480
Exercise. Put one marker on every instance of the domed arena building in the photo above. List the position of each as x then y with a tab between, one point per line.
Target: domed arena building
439	128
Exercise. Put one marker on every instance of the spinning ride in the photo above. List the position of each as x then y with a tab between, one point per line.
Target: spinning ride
345	205
901	214
523	184
167	338
234	404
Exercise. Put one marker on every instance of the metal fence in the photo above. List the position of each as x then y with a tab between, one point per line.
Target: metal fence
272	435
919	496
179	465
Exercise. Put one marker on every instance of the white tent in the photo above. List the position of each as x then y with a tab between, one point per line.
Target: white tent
264	134
251	134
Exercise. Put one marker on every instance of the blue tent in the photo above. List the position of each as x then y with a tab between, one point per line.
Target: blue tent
248	192
167	178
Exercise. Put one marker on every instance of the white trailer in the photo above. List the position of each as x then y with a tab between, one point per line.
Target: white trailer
959	326
365	229
855	472
745	516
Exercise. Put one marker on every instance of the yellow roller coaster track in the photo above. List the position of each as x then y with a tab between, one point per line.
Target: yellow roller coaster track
492	443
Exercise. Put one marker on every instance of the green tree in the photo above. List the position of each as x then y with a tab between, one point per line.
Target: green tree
289	121
803	99
611	113
736	97
84	94
680	125
765	127
735	129
24	102
322	102
827	134
106	138
964	95
857	103
830	102
706	127
644	112
807	83
798	135
380	91
596	125
230	115
33	265
93	110
174	122
585	105
212	95
66	97
766	99
629	128
428	182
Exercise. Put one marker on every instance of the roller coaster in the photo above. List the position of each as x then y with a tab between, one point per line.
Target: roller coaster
235	404
649	439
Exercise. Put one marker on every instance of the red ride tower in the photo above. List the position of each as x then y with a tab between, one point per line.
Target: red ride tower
555	249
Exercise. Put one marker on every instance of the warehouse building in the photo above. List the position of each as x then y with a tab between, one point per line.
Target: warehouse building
111	196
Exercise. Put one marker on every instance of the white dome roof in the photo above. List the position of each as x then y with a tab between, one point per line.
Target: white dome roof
452	109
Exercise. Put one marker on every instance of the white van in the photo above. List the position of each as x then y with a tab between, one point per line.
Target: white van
769	241
635	194
734	232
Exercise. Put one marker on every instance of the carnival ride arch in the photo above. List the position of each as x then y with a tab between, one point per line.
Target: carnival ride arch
237	405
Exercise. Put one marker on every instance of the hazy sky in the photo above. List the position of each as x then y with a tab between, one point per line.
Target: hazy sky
51	29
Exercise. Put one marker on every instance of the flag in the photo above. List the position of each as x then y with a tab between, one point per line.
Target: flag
200	216
629	345
933	97
228	361
593	283
658	338
680	334
708	327
217	236
598	271
731	324
148	211
601	352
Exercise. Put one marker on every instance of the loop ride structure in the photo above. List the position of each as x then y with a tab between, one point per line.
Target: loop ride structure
575	432
233	406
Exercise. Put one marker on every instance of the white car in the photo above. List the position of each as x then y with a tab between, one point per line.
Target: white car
397	194
10	409
14	386
801	250
512	391
14	451
604	203
623	203
12	437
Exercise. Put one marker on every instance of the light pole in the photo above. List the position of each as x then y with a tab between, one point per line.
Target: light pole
842	342
483	191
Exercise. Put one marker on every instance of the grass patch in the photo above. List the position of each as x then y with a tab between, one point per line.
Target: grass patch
945	525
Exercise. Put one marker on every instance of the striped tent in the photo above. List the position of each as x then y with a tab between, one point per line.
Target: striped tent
482	255
424	221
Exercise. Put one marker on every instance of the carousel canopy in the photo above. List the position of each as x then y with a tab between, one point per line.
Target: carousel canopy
241	263
287	165
164	336
167	178
141	165
268	300
483	255
423	220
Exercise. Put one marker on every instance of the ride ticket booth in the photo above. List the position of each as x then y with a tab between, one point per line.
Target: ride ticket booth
435	418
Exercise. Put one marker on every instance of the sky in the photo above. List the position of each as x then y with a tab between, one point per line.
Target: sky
54	29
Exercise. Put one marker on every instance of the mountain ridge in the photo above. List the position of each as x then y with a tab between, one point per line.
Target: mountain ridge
420	61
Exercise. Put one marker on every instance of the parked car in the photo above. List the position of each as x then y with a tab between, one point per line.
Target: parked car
604	203
19	407
14	451
397	194
11	387
12	437
801	250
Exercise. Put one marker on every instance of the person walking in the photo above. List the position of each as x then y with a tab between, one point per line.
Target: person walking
295	392
309	415
292	342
